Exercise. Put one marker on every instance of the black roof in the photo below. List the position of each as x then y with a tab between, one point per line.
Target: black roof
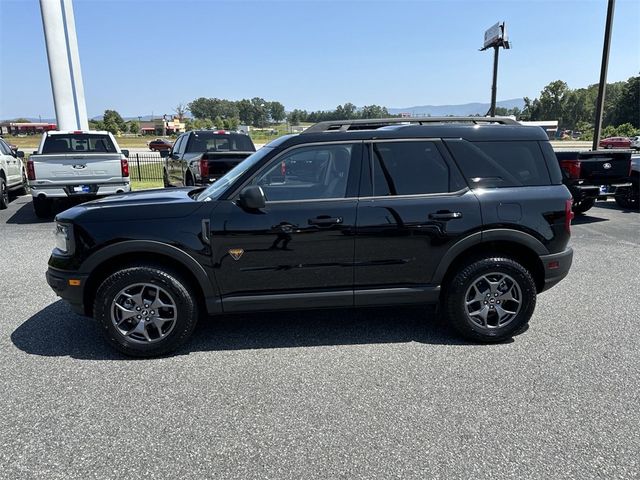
488	132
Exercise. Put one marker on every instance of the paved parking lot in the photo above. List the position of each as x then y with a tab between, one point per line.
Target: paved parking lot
386	393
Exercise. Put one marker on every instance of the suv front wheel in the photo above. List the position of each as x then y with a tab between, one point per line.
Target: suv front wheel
490	299
145	311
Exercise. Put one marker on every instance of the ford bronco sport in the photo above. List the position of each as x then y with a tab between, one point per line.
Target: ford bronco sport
468	213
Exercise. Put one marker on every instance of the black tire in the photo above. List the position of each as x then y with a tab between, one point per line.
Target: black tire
181	328
4	194
583	205
43	207
628	199
165	178
454	300
188	180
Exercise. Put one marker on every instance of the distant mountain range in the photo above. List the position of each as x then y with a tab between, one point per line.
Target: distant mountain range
457	110
463	110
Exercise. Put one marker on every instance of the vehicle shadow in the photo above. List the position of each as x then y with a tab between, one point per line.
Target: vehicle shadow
26	216
57	331
584	219
614	206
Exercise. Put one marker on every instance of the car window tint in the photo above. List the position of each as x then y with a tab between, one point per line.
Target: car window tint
4	148
317	172
411	168
500	164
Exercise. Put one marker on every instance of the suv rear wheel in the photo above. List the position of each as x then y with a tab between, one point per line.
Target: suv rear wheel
145	311
490	299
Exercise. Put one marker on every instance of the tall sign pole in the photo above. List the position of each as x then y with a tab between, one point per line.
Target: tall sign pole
602	87
64	64
495	37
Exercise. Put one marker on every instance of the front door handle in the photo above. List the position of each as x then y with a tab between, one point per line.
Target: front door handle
445	215
325	221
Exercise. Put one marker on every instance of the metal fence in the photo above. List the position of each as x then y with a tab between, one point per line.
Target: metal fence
145	166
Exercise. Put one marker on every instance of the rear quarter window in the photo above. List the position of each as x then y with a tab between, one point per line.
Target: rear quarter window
501	164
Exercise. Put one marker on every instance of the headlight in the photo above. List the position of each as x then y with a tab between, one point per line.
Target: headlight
63	234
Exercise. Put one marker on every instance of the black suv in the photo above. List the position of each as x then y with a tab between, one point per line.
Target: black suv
469	213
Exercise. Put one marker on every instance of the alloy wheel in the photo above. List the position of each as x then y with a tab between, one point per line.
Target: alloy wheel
493	300
144	313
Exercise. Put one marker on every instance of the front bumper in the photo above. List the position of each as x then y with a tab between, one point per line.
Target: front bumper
69	286
556	267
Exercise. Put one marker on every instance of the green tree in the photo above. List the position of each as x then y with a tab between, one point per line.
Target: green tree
276	111
218	122
134	127
113	122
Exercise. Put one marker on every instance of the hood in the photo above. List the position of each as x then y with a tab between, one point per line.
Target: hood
143	205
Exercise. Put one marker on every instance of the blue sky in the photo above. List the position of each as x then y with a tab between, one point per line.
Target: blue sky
146	56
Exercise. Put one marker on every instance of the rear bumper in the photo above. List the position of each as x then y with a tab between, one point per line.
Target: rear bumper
63	191
556	267
58	280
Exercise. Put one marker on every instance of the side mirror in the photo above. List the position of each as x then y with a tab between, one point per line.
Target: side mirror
125	153
164	153
20	154
252	198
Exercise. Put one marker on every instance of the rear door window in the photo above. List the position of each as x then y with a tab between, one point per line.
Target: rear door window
409	168
500	164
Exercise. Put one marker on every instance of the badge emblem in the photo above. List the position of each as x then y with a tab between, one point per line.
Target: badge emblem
236	253
606	166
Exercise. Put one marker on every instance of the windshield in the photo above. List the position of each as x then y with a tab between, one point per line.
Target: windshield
218	142
219	186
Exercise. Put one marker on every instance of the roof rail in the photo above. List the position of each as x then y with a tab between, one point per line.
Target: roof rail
370	124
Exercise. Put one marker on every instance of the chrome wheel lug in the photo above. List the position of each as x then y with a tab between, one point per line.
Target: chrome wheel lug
138	316
138	309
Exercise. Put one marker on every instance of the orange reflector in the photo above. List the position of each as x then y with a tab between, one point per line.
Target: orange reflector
74	283
553	265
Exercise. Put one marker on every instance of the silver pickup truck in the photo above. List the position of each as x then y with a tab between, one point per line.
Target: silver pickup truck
78	164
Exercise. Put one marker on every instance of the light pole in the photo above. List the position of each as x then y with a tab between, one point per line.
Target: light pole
602	87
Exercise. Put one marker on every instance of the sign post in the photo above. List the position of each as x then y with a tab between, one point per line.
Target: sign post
495	37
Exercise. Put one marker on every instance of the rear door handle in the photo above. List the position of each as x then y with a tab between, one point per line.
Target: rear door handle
325	221
445	215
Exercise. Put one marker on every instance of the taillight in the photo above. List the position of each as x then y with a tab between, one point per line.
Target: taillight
568	215
572	167
31	171
124	167
204	168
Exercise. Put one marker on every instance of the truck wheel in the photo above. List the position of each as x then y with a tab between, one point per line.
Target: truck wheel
489	299
165	178
42	207
583	205
628	199
188	180
145	311
4	194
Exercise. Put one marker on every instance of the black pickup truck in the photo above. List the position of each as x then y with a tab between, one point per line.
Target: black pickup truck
200	157
593	175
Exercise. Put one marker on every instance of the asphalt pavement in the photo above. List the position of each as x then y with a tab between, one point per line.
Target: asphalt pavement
384	393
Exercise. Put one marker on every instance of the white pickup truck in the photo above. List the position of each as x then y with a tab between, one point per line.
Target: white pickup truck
78	164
